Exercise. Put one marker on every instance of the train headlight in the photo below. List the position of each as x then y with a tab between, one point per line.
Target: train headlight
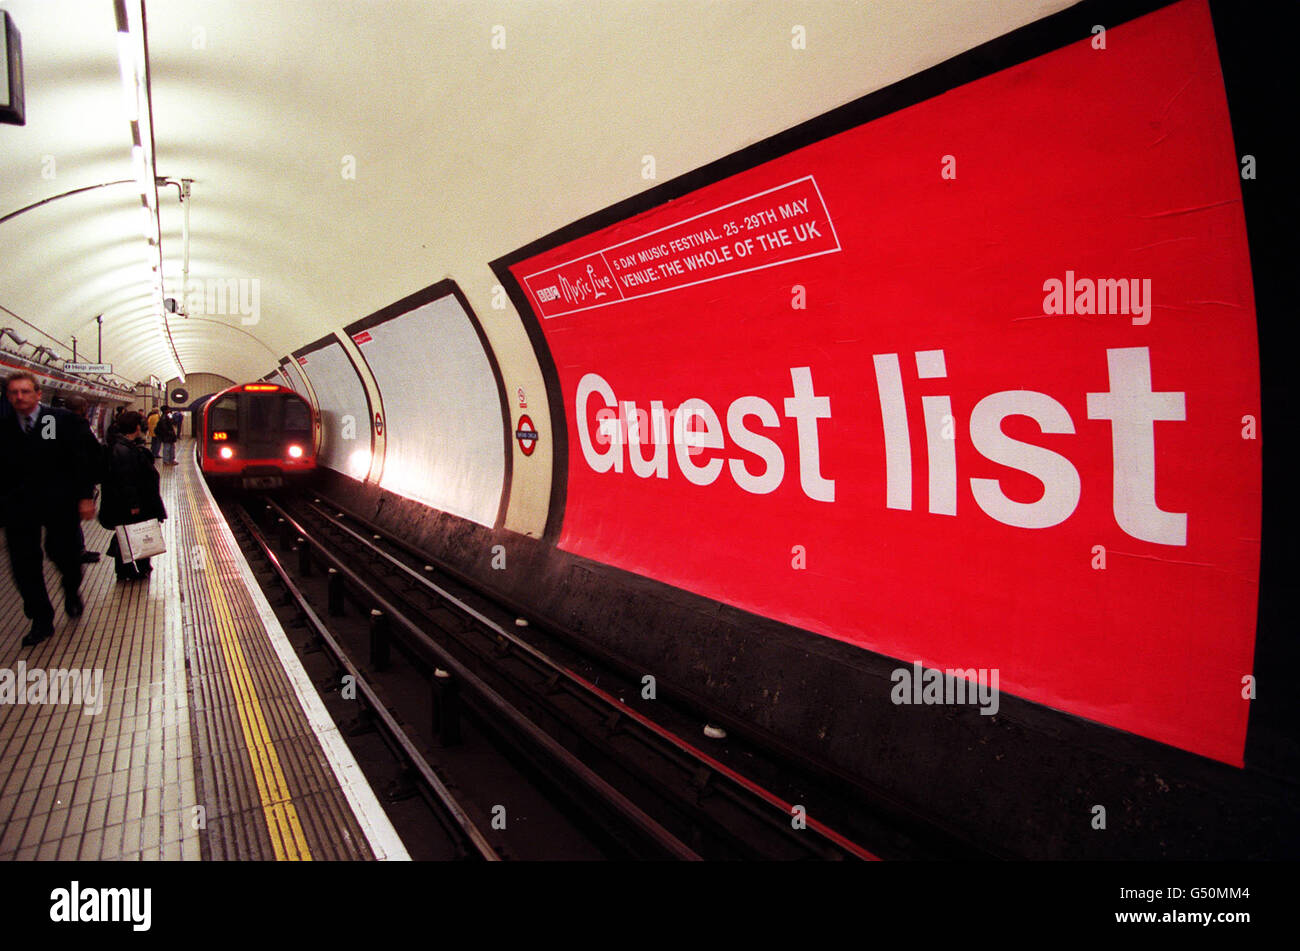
225	452
295	452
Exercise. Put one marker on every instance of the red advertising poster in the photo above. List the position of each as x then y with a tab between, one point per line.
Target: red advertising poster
972	384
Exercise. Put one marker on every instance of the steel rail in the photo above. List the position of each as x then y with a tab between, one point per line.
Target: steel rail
371	698
665	735
637	817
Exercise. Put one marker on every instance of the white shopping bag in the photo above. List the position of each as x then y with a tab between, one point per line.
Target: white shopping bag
140	540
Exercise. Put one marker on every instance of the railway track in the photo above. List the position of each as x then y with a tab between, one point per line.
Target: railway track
638	784
477	783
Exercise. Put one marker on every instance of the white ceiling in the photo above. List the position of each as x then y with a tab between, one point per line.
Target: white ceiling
462	152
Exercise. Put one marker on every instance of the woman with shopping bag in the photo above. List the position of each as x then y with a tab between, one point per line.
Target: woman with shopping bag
130	502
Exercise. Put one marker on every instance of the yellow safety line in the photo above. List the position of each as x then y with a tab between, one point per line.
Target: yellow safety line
282	822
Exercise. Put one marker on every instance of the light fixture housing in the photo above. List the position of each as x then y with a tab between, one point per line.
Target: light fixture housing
13	107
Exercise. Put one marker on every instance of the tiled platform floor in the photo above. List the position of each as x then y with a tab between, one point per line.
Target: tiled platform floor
198	744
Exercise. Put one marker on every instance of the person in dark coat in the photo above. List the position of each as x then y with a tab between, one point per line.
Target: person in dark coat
165	431
112	426
46	481
130	490
94	455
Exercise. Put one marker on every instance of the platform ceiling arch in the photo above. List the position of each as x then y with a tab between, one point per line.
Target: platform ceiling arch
461	151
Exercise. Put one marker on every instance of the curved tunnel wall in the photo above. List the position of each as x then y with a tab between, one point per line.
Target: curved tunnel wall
443	401
712	562
347	436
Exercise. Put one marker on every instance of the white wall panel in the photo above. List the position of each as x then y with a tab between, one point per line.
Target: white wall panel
446	445
345	415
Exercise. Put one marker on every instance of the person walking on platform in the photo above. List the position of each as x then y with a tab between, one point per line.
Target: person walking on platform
165	430
152	422
130	490
94	456
46	481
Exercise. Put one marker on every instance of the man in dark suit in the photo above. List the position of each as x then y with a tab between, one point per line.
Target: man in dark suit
46	480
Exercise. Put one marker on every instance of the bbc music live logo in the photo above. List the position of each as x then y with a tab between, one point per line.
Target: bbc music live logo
778	225
756	463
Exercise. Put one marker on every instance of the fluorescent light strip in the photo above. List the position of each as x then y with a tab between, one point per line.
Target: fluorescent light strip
135	77
130	84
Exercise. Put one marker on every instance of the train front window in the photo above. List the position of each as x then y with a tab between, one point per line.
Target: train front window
224	418
297	418
262	415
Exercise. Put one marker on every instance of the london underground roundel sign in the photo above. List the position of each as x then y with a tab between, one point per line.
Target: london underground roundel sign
527	435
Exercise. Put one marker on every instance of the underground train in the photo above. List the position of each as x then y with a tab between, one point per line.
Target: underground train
257	436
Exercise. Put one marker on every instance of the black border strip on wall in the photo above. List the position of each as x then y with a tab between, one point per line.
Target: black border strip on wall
1252	93
319	343
448	287
1255	56
1011	49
